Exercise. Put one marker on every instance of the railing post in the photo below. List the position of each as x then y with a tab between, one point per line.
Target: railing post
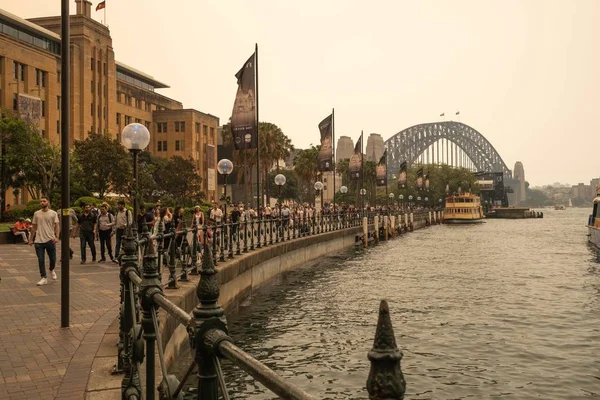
183	256
194	269
172	255
208	315
246	239
130	384
386	380
251	232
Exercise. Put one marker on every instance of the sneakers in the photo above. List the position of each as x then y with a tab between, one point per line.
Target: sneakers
53	274
71	254
102	260
42	282
82	261
114	260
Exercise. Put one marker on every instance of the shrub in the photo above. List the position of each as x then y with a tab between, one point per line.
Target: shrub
80	202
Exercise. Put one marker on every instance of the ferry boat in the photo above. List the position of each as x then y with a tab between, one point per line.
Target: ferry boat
463	209
562	208
593	224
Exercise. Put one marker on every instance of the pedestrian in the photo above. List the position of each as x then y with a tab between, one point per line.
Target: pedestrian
87	228
45	231
123	219
106	230
72	224
20	229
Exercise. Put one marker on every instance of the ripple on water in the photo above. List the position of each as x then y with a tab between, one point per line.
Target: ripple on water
505	309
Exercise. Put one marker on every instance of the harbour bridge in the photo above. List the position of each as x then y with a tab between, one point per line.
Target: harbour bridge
452	143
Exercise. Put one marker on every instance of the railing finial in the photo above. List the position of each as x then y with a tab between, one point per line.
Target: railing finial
386	380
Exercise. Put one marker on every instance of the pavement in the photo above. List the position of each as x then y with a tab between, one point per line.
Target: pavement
38	358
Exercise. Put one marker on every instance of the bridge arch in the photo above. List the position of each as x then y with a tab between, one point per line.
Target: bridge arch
411	143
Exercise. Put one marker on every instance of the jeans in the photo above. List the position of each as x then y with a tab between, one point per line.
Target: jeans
87	237
105	241
119	235
40	251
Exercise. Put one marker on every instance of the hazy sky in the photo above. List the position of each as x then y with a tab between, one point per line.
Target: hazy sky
524	73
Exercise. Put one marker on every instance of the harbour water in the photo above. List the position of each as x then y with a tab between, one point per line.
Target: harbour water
506	309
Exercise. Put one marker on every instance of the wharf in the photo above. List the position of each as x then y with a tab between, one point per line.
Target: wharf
513	213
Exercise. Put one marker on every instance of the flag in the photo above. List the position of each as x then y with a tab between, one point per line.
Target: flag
355	164
326	152
442	114
427	181
244	127
447	189
402	176
458	113
101	6
381	172
420	178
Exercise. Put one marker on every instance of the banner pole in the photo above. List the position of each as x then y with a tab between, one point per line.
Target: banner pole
258	195
334	161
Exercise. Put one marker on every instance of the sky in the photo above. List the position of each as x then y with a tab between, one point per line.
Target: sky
525	74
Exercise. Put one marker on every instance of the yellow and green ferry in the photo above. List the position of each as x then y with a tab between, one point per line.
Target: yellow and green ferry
463	209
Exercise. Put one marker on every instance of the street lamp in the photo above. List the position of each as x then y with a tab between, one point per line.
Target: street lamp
427	201
225	167
418	200
319	189
410	198
362	192
440	201
344	189
391	196
135	137
401	198
279	181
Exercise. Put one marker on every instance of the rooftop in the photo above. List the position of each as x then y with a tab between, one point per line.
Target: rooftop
23	23
142	76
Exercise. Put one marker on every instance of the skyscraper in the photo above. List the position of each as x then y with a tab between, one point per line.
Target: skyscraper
345	148
374	149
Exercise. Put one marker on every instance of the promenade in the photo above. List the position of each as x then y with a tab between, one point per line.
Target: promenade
38	358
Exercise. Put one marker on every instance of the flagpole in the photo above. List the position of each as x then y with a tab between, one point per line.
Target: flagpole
258	196
105	23
333	151
386	182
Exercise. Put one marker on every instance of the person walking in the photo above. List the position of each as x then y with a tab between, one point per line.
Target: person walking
123	219
87	228
45	231
106	229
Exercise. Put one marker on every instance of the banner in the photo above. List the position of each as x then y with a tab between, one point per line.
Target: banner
447	188
243	116
355	165
420	179
381	172
427	182
326	152
402	176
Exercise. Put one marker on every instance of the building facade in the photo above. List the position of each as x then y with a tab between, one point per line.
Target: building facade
106	95
344	149
375	147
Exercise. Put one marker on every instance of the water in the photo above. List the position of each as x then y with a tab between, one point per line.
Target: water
506	309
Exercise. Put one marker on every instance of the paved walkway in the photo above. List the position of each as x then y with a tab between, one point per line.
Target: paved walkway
38	358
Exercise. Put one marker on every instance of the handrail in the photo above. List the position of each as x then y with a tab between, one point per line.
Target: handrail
142	295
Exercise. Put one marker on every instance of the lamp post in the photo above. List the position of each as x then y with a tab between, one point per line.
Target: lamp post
319	189
225	167
427	201
135	137
391	196
410	198
362	192
279	181
418	200
401	198
440	201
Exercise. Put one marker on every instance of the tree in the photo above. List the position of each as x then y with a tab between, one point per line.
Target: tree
102	163
32	163
179	179
289	191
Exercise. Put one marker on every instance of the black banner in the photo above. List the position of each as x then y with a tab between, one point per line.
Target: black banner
427	182
243	116
355	165
420	178
402	176
326	152
381	172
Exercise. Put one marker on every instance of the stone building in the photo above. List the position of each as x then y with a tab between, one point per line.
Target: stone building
375	147
106	94
344	149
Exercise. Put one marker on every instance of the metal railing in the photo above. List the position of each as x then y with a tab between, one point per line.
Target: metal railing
142	297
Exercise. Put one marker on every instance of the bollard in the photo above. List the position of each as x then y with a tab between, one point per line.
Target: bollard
385	380
405	222
376	222
393	226
412	221
365	232
386	227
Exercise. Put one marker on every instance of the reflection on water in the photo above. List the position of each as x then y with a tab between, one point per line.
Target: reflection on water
509	308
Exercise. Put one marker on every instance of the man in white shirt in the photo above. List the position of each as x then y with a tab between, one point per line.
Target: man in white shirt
216	213
45	231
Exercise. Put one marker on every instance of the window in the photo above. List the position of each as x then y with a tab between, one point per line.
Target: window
92	87
58	127
212	133
162	127
128	99
43	108
147	124
164	145
183	145
22	66
92	109
104	114
99	111
197	127
177	145
43	78
127	120
118	118
16	69
138	121
118	97
179	126
205	130
43	133
93	63
147	106
105	69
138	103
159	148
99	87
58	103
99	66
